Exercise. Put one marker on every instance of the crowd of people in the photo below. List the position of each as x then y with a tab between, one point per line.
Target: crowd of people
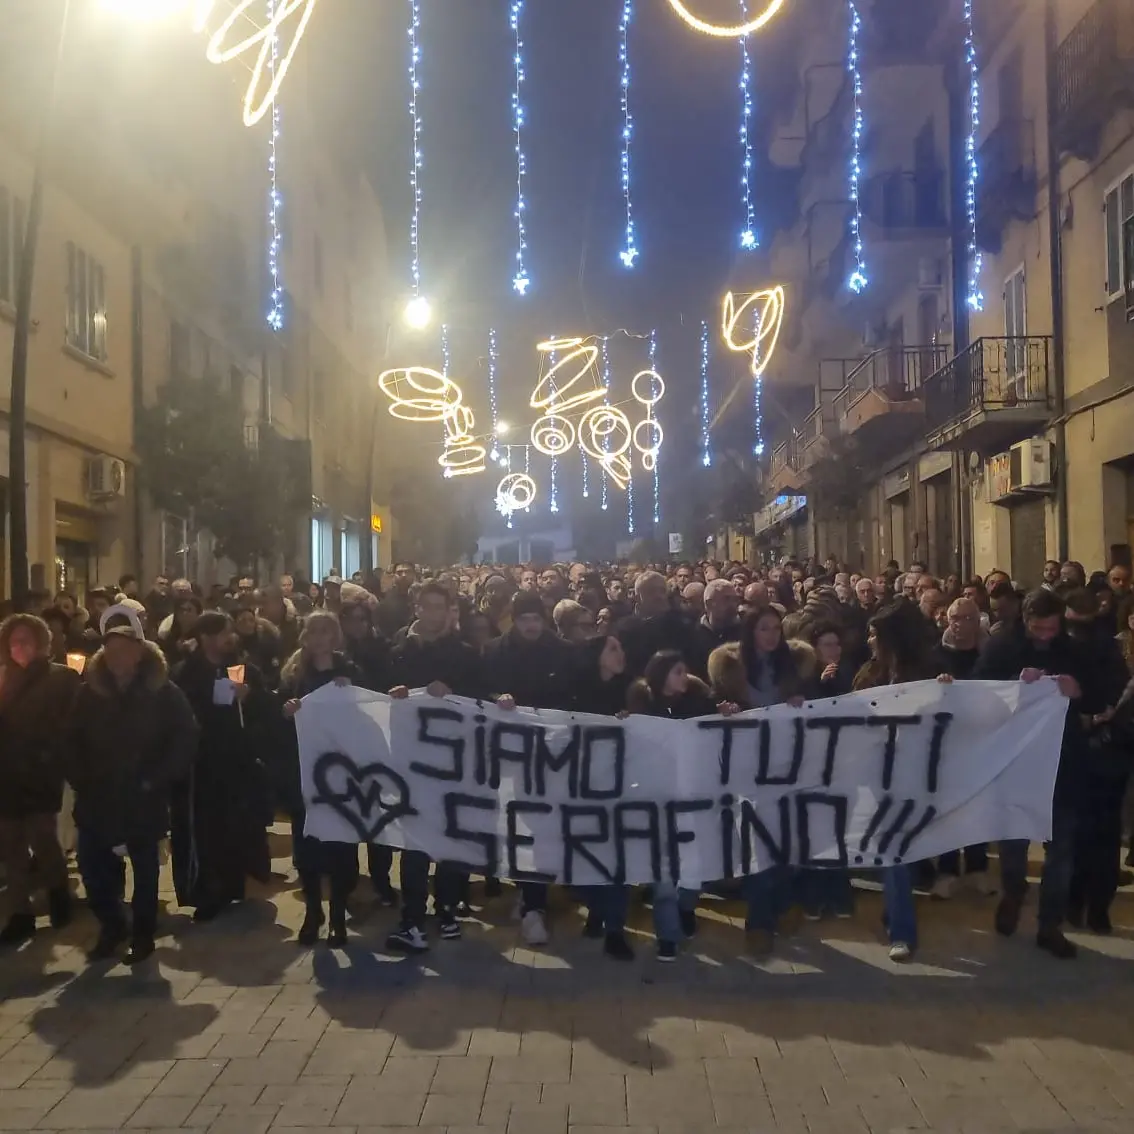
171	714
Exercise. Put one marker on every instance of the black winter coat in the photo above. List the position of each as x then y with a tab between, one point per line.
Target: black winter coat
538	675
35	704
643	637
372	657
416	663
126	748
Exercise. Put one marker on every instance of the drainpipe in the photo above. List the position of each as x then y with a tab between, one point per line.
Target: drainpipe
1055	239
137	386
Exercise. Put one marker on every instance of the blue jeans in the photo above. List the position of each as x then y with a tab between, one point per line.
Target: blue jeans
900	916
1058	867
610	903
826	891
768	895
104	876
670	902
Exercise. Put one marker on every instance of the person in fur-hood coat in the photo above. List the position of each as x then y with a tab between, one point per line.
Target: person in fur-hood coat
763	668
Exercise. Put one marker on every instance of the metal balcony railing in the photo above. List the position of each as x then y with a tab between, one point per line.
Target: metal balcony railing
1093	71
992	374
898	373
787	455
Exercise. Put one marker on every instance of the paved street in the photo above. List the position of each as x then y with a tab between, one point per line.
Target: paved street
235	1030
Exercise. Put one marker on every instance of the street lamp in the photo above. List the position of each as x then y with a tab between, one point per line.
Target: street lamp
418	313
502	428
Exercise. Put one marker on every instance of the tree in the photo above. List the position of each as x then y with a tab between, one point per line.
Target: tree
200	465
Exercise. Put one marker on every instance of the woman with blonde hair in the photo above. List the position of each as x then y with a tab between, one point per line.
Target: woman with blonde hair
319	661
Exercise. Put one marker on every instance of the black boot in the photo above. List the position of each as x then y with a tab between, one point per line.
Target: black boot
336	931
20	928
141	948
59	906
110	937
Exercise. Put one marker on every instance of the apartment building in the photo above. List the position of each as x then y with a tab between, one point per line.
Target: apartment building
850	478
973	439
153	275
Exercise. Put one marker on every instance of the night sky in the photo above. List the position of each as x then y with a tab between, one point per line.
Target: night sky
686	171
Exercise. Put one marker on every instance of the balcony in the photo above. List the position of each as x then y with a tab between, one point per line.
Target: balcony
905	205
994	393
818	428
1093	76
881	405
787	467
1006	189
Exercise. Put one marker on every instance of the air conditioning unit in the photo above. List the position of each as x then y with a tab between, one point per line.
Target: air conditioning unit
1031	466
106	478
930	273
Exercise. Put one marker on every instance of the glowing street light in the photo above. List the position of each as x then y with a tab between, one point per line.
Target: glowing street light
502	428
418	313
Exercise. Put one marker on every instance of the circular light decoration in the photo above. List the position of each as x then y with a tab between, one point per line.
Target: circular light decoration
648	389
463	455
727	31
753	327
431	395
553	391
648	395
515	493
606	435
553	435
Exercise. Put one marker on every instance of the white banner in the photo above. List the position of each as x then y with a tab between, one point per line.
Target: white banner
892	775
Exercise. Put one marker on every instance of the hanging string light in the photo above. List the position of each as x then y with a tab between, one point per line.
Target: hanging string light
586	484
975	297
706	450
415	168
275	314
748	237
520	282
858	280
629	252
493	361
757	389
605	402
652	410
554	485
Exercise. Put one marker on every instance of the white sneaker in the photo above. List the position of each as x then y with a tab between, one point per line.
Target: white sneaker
533	929
944	887
900	952
981	881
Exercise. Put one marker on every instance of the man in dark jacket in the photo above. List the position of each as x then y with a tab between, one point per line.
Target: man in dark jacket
656	625
536	670
35	702
1039	646
397	608
434	658
718	625
133	736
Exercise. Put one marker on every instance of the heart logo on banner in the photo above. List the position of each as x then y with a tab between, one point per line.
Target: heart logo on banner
369	797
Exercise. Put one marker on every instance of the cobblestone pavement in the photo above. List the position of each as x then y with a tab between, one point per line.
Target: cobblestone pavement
233	1029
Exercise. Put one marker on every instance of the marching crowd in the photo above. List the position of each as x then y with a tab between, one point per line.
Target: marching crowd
170	714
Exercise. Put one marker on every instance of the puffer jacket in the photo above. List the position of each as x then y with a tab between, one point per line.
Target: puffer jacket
125	749
35	705
730	682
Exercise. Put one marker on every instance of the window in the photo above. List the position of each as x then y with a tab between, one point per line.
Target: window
86	303
13	218
1119	208
1015	323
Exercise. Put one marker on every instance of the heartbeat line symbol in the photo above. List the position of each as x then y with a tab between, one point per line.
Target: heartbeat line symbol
223	46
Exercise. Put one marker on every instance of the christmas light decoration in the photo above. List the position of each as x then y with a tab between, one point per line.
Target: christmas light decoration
551	392
553	435
520	282
748	238
727	31
420	394
648	389
493	360
629	251
975	297
415	168
606	384
586	477
275	314
606	435
656	437
706	451
764	312
463	455
515	493
857	281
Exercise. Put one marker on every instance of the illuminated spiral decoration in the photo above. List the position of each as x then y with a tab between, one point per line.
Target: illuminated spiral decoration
553	435
463	455
565	387
605	435
753	327
648	388
515	493
420	394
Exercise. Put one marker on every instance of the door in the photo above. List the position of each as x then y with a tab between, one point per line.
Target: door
1015	331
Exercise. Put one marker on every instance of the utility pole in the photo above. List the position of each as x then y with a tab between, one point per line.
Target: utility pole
18	418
